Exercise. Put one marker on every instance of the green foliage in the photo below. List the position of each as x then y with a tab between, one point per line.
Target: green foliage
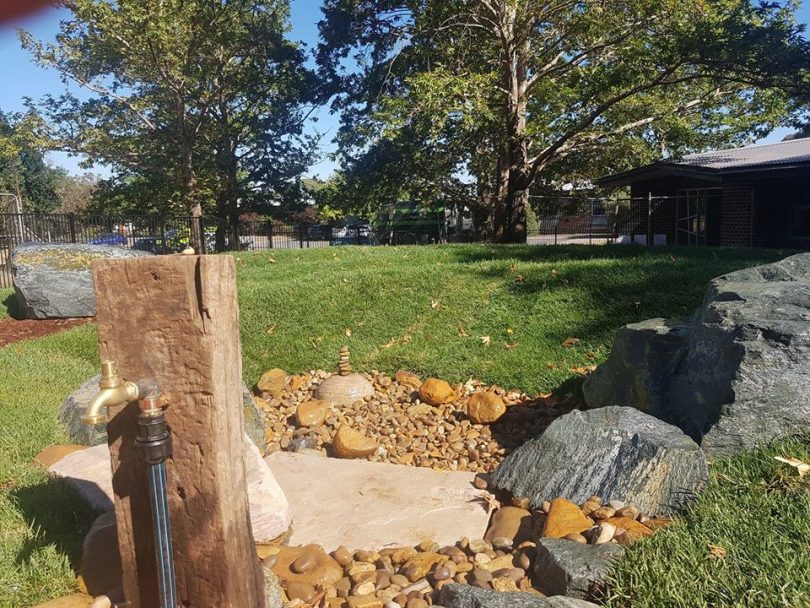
512	93
193	103
23	171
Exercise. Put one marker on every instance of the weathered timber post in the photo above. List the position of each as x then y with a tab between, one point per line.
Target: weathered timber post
176	319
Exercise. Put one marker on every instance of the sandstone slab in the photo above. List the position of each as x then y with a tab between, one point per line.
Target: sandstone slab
617	453
72	409
371	505
563	567
55	280
75	600
564	518
89	473
485	407
349	443
435	391
55	453
100	565
511	523
465	596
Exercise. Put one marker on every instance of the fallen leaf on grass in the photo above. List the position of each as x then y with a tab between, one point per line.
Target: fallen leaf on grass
554	274
406	339
590	356
717	552
583	371
390	343
508	346
512	267
271	260
510	331
271	330
569	342
486	340
544	395
316	340
345	280
434	304
348	331
461	331
801	467
551	365
519	278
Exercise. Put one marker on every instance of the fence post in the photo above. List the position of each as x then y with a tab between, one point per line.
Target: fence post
72	227
270	232
649	220
300	236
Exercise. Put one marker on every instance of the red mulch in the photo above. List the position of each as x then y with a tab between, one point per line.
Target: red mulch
13	330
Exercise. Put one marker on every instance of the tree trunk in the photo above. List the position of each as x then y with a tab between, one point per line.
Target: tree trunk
514	169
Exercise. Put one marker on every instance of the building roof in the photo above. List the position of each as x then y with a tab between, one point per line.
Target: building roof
712	165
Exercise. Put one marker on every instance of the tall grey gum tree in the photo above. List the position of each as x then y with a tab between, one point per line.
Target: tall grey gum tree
562	78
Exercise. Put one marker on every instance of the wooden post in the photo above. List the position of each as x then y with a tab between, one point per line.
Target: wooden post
176	319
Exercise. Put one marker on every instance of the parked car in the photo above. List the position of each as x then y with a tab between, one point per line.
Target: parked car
110	238
352	234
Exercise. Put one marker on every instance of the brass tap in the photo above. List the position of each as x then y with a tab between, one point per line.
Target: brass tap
113	391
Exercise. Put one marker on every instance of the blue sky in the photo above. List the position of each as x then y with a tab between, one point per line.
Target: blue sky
21	78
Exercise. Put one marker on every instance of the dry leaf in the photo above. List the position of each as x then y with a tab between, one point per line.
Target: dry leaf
461	331
348	331
569	342
551	365
434	303
271	330
519	278
271	260
406	339
544	395
801	467
554	274
583	371
316	340
512	267
508	346
486	340
510	331
590	356
390	343
717	552
345	280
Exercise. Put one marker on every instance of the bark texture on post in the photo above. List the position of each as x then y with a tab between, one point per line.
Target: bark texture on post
176	319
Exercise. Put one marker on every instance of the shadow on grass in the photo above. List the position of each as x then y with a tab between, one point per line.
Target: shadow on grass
12	307
56	516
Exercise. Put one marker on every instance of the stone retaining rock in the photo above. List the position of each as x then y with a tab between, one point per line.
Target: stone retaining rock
564	567
617	453
73	407
742	378
55	280
464	596
639	369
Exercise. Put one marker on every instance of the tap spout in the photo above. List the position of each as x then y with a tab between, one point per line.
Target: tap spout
112	391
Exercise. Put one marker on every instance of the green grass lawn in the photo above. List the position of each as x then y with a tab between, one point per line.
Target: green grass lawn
427	309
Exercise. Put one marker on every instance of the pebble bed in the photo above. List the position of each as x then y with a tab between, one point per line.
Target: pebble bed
411	577
408	431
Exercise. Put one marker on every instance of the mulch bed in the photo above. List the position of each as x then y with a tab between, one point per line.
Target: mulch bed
14	330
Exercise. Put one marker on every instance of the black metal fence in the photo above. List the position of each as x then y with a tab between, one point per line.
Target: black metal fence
553	221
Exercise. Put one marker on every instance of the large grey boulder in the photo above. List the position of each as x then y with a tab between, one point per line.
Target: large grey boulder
744	374
564	567
617	453
73	407
639	369
465	596
55	280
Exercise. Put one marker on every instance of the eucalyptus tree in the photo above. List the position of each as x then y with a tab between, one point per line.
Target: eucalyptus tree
519	89
201	102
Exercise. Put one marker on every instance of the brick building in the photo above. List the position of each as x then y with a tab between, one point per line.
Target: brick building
754	196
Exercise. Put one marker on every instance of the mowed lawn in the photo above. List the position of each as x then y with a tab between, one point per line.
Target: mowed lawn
501	314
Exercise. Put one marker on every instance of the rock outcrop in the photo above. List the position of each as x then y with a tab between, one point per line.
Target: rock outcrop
741	376
563	567
617	453
465	596
73	407
55	280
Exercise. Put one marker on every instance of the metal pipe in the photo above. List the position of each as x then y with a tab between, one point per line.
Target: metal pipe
154	445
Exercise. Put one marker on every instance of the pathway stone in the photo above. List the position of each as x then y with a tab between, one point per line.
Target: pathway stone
88	471
371	505
74	600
